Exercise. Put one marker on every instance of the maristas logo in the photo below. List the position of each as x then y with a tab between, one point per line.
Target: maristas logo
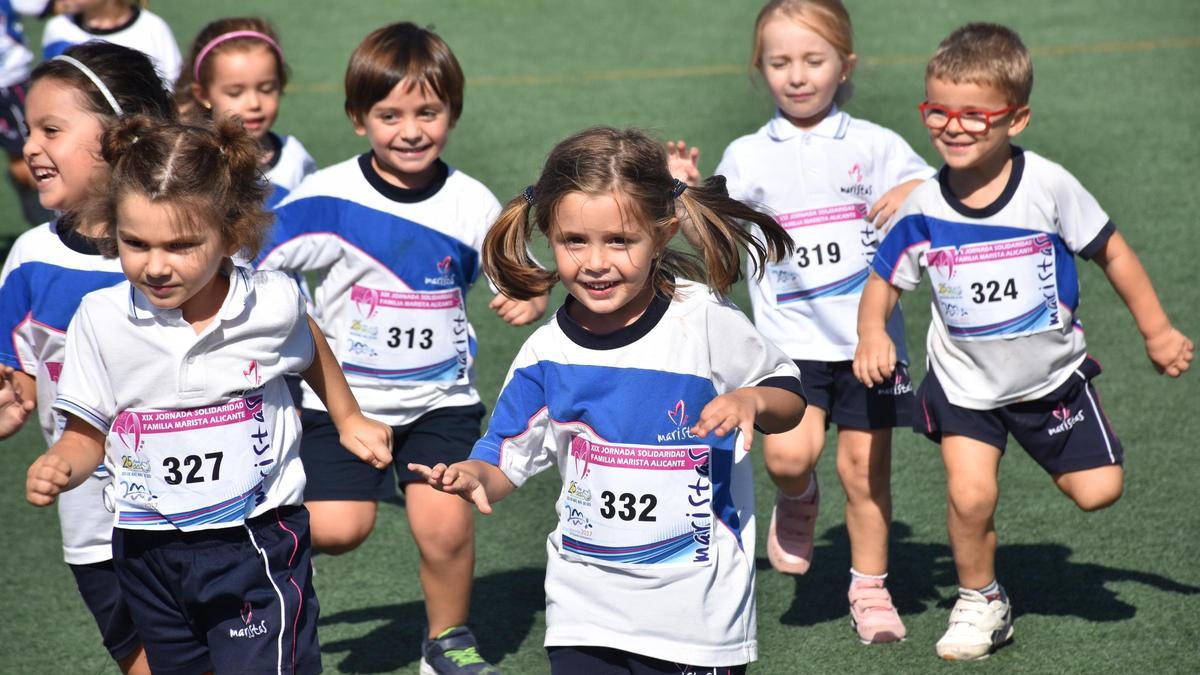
679	418
857	187
1066	420
444	278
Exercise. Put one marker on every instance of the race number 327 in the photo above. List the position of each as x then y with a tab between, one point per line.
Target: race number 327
194	466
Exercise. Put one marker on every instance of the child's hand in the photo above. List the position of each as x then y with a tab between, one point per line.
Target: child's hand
886	206
1170	352
874	359
519	312
723	414
367	440
456	480
681	161
47	477
14	408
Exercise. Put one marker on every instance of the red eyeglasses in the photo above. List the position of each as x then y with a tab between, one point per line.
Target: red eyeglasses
972	120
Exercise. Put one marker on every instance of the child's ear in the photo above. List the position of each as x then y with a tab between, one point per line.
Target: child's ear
359	127
1020	121
848	65
198	94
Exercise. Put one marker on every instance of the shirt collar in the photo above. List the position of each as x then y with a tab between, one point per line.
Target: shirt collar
241	289
833	126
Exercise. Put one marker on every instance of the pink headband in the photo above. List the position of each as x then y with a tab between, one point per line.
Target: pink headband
229	36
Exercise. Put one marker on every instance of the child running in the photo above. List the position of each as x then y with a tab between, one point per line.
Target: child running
397	233
827	177
236	69
122	22
173	378
72	99
997	233
643	392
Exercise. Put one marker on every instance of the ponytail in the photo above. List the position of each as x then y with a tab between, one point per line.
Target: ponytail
506	258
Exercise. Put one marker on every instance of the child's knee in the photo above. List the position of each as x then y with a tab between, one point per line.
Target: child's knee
1093	489
340	527
972	500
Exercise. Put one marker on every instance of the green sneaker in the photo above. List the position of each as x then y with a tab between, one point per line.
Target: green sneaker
453	652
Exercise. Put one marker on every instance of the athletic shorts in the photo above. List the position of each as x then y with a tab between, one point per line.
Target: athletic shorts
101	593
12	119
334	474
832	387
235	599
606	661
1064	431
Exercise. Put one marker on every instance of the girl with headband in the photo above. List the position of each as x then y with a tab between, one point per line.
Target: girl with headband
236	69
73	98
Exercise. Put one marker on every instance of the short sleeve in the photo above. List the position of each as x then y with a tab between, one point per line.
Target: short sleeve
16	301
1082	223
85	386
515	441
298	348
898	259
742	357
901	163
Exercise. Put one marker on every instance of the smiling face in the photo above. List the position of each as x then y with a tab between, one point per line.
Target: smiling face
802	70
964	151
63	147
244	84
605	259
173	267
407	130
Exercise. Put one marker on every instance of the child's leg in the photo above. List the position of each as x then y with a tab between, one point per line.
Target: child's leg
135	663
340	526
791	456
443	527
1093	489
864	463
971	495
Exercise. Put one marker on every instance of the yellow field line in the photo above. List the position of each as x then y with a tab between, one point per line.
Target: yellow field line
631	74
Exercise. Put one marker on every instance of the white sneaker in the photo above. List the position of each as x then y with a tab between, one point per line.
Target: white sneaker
979	625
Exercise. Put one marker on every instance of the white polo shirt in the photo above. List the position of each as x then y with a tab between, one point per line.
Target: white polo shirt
654	549
145	31
201	429
819	184
1003	279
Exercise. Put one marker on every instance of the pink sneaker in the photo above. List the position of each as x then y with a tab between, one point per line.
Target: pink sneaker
790	539
872	613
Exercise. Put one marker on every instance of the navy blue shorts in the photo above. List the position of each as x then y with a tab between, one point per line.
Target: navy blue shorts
832	387
235	599
606	661
101	593
333	474
1064	431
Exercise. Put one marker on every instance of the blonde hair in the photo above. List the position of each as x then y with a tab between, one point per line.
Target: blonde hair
827	18
986	54
632	167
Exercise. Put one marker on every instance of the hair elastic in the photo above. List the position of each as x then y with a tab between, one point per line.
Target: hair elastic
527	193
230	36
677	188
108	96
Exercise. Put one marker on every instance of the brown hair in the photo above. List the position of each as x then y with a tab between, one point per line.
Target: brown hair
632	167
827	18
184	98
986	54
128	74
208	172
402	52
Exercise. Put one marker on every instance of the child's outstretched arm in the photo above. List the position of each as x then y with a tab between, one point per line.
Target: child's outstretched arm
682	162
479	483
519	312
17	399
886	206
774	410
1169	350
875	356
367	439
66	464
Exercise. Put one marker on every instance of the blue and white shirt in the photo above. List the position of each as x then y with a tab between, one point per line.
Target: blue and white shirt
819	184
650	516
1005	288
145	31
201	429
44	278
15	57
290	166
397	265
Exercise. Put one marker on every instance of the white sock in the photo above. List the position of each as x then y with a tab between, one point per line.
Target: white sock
855	575
808	491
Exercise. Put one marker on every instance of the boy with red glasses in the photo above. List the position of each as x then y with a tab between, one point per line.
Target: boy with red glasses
997	232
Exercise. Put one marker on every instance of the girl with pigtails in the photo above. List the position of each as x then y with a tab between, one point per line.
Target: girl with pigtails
643	392
174	379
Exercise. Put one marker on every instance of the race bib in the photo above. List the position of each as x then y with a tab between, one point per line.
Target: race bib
997	289
417	336
831	254
191	469
637	505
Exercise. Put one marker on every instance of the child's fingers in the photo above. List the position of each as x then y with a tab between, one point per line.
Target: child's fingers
480	499
747	429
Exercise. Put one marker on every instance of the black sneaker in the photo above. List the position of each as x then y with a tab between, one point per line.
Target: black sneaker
453	652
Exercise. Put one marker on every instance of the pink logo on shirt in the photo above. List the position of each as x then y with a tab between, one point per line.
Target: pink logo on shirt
944	260
856	173
444	265
129	429
365	299
251	374
678	415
